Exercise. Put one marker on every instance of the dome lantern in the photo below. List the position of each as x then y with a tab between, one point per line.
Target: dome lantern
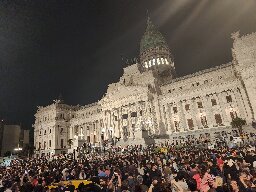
154	51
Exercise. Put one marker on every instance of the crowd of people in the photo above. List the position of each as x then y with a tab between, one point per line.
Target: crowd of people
153	168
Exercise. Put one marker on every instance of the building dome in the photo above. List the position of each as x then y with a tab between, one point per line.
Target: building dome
154	52
152	38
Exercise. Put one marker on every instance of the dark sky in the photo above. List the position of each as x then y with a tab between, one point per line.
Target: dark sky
48	47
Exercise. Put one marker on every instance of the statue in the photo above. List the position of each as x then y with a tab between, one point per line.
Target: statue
235	35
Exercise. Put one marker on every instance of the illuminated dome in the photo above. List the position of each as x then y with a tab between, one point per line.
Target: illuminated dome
154	51
152	38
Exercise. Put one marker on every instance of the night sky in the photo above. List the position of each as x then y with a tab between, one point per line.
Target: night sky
75	48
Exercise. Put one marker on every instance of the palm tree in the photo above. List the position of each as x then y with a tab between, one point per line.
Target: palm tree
238	123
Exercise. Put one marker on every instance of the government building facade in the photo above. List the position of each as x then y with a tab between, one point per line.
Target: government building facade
150	98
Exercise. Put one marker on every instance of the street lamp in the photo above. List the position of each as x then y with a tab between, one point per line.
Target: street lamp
18	148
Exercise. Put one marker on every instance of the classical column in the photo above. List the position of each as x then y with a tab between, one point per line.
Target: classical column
208	111
170	120
164	117
121	122
129	121
194	114
222	102
150	118
183	124
71	134
118	128
239	104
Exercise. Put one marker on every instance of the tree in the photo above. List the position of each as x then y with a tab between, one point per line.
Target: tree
7	154
28	150
238	123
70	142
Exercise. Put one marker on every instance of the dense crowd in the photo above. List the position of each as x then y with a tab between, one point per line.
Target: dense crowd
162	168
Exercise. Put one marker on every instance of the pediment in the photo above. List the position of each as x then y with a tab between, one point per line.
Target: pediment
122	91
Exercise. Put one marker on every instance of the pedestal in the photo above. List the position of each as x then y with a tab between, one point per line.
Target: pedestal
141	137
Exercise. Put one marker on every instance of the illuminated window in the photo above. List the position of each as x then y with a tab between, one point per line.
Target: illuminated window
158	61
154	61
149	64
162	60
146	64
167	62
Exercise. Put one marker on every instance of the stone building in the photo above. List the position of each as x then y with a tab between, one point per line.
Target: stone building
11	137
149	96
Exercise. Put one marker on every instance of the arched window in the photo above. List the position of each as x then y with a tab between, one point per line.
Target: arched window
146	64
154	61
162	60
158	61
149	64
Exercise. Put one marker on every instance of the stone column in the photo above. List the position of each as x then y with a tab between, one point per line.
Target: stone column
183	124
122	123
129	120
246	104
208	111
222	102
240	103
71	134
151	118
166	117
194	114
170	120
96	132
